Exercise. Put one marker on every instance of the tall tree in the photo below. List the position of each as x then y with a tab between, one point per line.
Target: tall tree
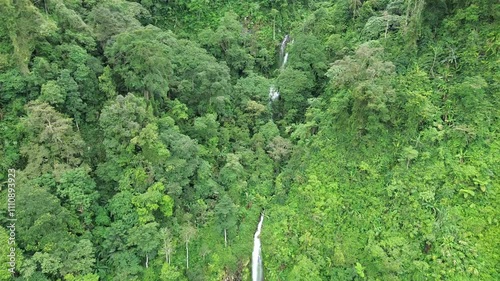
365	84
51	142
78	189
226	214
142	60
146	238
121	121
188	232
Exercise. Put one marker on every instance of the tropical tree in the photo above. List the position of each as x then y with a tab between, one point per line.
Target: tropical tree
51	144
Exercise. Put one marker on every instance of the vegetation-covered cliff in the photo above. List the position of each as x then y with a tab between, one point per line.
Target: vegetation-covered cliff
146	146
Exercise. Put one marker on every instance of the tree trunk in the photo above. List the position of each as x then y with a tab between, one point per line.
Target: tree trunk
147	260
76	122
225	237
187	256
274	28
386	29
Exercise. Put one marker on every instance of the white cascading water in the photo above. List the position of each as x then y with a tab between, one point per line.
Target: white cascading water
274	94
283	55
285	58
257	267
257	270
283	44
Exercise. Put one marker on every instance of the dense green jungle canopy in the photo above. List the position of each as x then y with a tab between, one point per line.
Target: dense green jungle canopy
146	148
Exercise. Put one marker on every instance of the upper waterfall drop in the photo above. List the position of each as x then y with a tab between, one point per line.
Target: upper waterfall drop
285	59
274	94
283	45
283	55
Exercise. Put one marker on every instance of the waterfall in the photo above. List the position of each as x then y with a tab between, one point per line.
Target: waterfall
283	45
285	58
257	270
274	94
283	55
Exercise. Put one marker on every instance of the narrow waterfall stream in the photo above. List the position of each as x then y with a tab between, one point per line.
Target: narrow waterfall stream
285	58
273	92
283	48
257	270
257	266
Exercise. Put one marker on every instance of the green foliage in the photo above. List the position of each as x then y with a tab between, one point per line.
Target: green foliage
141	59
51	93
199	81
146	145
225	211
227	43
121	121
170	273
5	250
86	277
295	88
111	18
79	189
51	142
369	92
25	24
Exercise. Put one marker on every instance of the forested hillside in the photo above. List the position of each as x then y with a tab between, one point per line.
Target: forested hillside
145	143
